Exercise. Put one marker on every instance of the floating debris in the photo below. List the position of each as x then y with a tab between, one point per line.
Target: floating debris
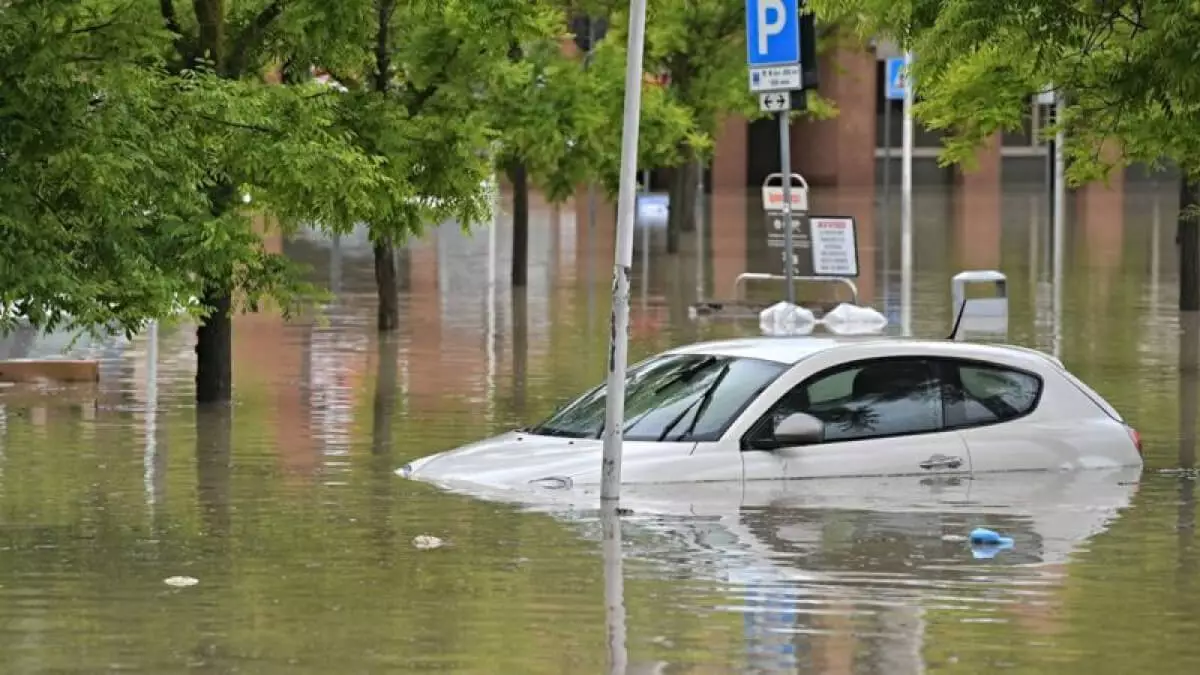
985	543
982	536
181	582
427	542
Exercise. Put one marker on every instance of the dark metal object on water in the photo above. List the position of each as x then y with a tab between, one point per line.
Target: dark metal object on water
741	309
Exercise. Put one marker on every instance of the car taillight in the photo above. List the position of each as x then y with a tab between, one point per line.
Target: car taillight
1135	437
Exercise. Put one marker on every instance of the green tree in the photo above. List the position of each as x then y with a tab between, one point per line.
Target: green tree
558	123
698	48
421	78
124	153
284	145
1127	69
82	151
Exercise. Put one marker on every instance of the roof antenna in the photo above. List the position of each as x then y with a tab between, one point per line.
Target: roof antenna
962	307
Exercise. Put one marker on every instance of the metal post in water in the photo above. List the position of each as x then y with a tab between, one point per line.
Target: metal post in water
591	188
700	236
1060	216
614	418
150	455
646	243
785	167
906	216
887	194
614	590
1155	256
491	300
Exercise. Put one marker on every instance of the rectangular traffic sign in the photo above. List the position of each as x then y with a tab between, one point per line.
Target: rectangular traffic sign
777	101
772	32
776	78
895	79
775	232
834	241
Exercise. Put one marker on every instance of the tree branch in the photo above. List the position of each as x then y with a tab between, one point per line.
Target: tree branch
167	8
251	35
423	95
383	39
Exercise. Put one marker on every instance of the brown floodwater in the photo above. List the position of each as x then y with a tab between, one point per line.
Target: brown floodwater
286	509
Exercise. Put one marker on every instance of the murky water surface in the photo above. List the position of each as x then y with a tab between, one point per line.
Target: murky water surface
287	512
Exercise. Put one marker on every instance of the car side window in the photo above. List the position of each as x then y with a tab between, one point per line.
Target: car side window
884	397
979	394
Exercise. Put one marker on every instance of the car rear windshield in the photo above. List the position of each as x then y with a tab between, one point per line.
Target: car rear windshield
674	397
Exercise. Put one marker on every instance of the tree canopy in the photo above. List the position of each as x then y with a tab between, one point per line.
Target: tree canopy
1127	68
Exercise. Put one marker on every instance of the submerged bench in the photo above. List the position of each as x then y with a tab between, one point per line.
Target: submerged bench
52	370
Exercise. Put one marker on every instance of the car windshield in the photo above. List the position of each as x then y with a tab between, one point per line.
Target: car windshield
675	397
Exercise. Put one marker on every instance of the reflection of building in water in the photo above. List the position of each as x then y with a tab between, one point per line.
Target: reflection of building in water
463	265
337	360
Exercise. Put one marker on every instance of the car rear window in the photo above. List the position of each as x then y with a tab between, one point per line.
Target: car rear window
977	393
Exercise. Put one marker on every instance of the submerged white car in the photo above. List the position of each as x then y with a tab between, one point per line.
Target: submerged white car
770	408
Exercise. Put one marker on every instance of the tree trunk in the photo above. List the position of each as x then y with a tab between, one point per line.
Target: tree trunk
214	346
1188	239
518	176
388	312
682	195
214	337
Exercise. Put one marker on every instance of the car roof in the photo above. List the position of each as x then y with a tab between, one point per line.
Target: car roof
792	349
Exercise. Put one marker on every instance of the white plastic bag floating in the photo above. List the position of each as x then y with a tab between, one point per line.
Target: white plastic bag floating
784	318
181	582
427	542
847	318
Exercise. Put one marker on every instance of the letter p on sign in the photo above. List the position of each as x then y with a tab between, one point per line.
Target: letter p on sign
769	25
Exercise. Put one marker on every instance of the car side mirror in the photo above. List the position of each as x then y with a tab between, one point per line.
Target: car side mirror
799	429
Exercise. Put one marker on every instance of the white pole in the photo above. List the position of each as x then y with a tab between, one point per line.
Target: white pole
491	301
150	455
785	167
887	194
614	589
700	204
906	216
614	418
1060	216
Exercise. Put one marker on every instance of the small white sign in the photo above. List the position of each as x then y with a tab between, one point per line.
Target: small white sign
1047	96
778	101
772	198
834	246
775	78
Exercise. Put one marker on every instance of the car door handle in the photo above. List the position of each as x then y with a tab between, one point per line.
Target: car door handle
941	462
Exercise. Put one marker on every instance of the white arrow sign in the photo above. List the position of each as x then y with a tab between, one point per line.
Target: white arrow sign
775	101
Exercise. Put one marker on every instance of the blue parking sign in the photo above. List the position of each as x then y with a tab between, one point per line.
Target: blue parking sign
772	32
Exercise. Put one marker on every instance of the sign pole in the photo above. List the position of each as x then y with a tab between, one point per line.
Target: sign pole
906	224
614	417
785	161
887	188
894	75
1060	216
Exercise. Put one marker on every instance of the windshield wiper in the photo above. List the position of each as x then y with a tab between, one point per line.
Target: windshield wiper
700	405
552	431
682	376
687	373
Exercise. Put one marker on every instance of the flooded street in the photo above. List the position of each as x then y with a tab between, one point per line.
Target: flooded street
287	511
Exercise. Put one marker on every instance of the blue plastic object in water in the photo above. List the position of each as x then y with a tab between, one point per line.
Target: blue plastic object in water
986	543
